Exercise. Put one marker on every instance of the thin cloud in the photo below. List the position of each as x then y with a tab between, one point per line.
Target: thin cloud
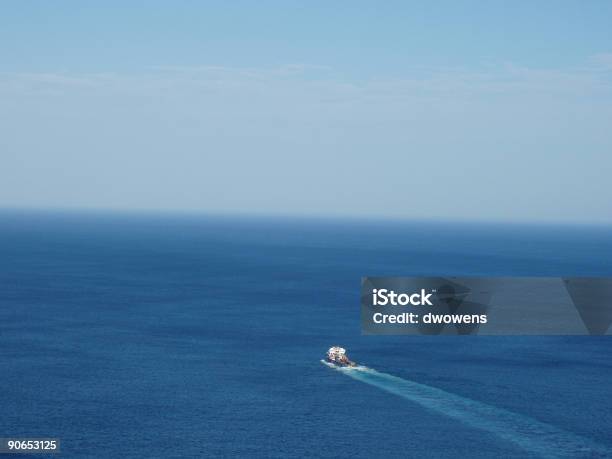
501	78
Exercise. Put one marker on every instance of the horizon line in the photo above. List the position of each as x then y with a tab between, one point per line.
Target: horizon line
363	218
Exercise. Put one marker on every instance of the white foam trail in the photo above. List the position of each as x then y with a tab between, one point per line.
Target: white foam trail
534	436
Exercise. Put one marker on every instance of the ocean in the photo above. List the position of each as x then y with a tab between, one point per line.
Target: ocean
142	335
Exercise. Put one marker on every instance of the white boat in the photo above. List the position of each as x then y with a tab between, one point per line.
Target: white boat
336	355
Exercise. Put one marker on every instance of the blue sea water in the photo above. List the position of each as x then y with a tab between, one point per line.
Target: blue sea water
200	336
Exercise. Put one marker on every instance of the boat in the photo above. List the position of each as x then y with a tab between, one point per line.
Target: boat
336	355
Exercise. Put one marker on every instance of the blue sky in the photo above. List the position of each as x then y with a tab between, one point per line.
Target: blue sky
461	110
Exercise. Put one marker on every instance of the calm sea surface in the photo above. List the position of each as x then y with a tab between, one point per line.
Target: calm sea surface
184	336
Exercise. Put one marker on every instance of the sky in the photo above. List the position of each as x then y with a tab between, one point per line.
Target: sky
446	109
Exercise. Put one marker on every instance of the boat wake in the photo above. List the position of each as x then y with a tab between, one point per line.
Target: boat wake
336	367
537	437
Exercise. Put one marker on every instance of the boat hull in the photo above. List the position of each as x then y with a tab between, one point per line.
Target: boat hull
342	364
